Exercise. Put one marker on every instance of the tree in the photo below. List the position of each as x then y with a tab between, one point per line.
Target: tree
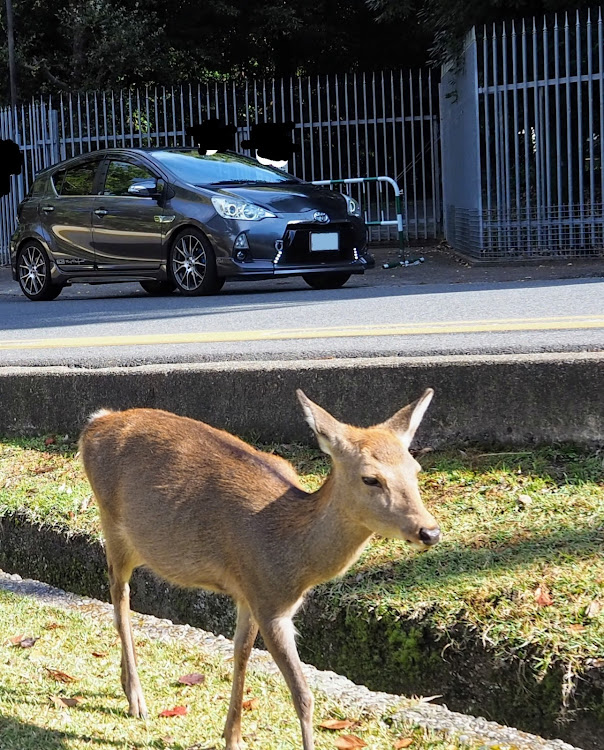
79	44
448	21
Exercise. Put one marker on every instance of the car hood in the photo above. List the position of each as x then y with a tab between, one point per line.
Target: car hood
292	198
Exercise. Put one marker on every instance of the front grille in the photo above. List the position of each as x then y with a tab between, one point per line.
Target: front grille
296	245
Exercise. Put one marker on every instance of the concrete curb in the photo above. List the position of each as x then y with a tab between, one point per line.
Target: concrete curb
505	399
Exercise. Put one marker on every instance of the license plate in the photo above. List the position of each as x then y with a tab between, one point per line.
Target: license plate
324	241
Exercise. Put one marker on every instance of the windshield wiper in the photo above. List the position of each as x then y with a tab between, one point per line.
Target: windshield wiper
246	182
234	182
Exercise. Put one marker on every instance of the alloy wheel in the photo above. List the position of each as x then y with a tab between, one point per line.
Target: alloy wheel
189	263
33	270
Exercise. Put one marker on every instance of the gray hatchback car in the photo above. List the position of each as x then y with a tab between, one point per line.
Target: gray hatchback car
175	220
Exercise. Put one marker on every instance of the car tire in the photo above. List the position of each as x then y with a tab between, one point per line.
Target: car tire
192	264
158	288
326	280
33	273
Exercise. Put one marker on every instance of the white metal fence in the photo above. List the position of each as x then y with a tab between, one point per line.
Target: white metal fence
530	101
355	125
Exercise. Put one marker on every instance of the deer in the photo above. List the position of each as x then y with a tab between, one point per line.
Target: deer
204	509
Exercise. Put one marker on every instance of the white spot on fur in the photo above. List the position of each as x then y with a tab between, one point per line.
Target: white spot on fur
99	413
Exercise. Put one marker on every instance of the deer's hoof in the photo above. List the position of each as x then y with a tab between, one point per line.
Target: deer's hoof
235	743
138	708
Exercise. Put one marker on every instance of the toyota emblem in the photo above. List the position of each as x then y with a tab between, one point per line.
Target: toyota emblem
321	217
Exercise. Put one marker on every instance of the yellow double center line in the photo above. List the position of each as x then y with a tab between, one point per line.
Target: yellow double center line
498	325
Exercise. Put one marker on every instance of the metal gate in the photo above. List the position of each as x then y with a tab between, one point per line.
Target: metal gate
523	128
351	125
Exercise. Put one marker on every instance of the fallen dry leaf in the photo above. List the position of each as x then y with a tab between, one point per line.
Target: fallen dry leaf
52	626
84	505
423	451
56	674
99	654
593	609
49	441
428	698
337	724
176	711
403	742
61	702
347	741
542	597
168	739
192	679
42	469
575	628
251	704
24	641
524	500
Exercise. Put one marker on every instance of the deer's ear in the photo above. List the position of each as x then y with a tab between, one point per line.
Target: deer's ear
406	421
327	429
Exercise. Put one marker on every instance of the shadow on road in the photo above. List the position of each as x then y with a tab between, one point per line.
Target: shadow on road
84	310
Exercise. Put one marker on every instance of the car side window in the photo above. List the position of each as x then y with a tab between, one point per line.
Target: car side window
76	180
121	175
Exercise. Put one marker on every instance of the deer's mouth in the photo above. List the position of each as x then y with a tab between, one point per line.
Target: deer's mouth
422	541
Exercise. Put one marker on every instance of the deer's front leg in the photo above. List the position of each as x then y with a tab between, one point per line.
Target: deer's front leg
245	635
278	635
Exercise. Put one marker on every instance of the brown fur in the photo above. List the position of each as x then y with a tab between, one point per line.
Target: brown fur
204	509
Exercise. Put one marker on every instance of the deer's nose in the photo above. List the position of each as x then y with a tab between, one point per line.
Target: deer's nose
430	536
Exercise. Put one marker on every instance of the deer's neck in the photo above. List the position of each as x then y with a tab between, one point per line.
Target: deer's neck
332	539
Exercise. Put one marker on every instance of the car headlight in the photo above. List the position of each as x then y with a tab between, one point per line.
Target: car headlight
236	208
354	208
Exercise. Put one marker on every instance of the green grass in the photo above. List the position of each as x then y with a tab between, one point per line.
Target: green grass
512	522
31	720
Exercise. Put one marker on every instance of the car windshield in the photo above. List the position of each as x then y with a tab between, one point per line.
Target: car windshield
220	169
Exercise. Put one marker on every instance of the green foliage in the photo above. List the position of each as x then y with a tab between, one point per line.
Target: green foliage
447	22
71	45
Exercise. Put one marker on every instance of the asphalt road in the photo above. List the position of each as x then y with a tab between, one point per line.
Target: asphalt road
375	315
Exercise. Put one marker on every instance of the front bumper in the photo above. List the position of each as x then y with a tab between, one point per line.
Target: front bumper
263	269
281	247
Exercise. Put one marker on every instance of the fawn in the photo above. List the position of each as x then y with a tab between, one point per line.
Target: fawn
202	508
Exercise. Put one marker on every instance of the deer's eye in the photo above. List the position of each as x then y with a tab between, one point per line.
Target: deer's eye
372	481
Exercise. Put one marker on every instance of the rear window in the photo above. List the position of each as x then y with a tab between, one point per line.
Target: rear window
219	169
38	187
78	180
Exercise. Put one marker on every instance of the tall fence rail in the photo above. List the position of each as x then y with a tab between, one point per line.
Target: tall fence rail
351	125
531	93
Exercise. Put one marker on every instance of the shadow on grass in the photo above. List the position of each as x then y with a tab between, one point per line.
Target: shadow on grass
563	464
449	561
18	735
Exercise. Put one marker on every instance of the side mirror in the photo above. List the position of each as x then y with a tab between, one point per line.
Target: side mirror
147	188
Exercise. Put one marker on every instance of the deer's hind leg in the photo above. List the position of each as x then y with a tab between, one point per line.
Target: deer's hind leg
121	562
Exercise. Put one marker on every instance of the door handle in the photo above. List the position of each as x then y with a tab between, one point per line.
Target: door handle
48	209
101	212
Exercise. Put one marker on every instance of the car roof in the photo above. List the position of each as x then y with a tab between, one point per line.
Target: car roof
116	151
